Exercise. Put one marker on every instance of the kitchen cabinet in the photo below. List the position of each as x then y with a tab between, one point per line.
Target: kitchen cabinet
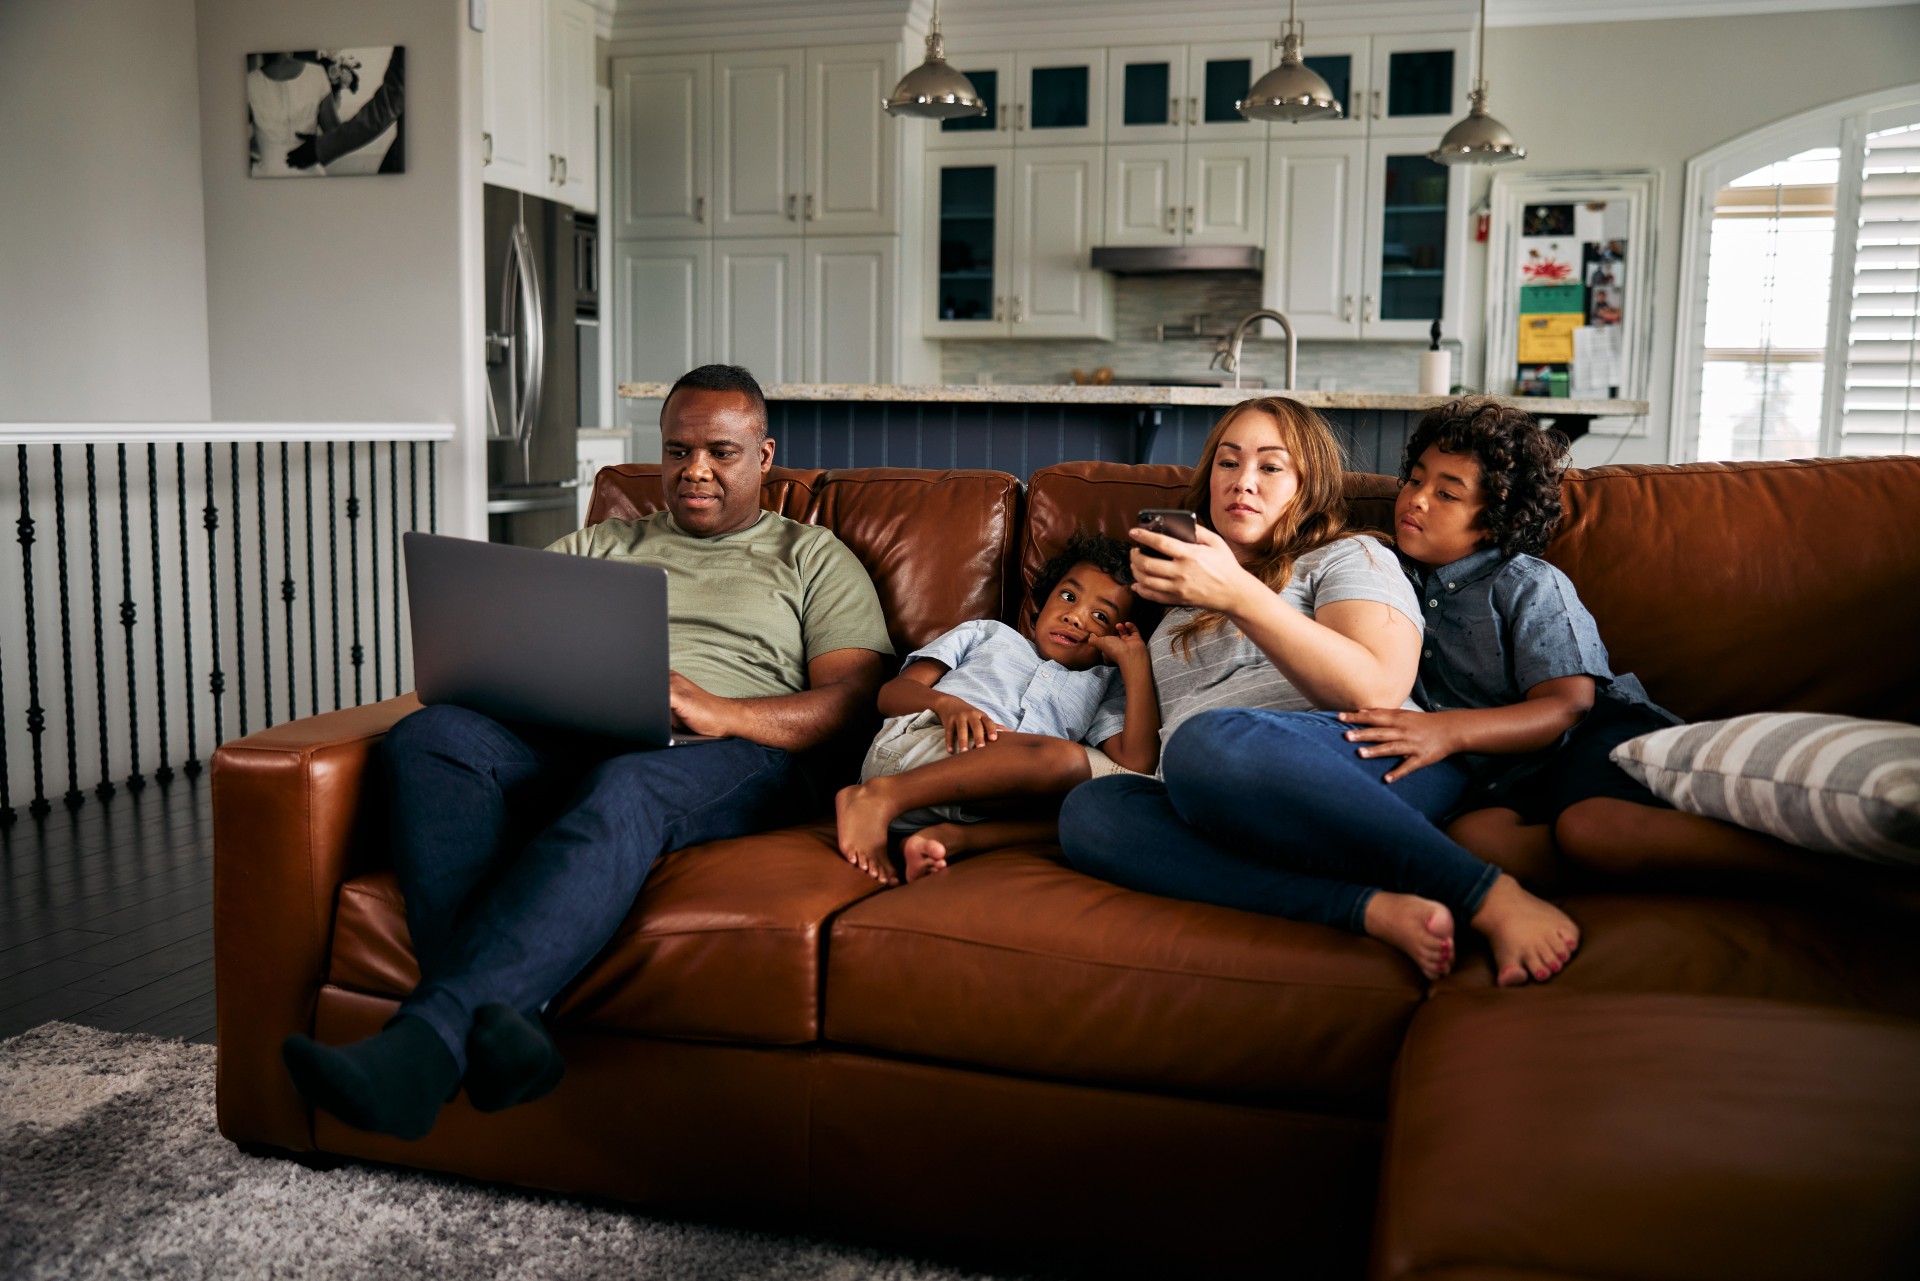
1409	86
663	152
1218	77
759	106
852	309
1015	232
663	308
1055	97
537	95
1206	193
758	306
1364	239
1184	93
789	309
852	145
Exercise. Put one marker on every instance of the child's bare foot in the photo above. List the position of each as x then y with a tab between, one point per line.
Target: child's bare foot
1532	939
927	850
1420	927
861	822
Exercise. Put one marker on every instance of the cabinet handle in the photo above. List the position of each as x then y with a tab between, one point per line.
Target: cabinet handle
1366	308
563	171
1189	220
486	149
1173	111
699	208
552	168
1021	118
809	206
793	207
999	307
1019	309
1193	111
1354	98
1173	214
1006	117
1346	307
1376	104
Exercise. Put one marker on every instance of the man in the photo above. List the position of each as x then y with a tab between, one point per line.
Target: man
520	851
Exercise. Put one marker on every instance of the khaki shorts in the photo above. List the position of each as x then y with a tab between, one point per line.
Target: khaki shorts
908	742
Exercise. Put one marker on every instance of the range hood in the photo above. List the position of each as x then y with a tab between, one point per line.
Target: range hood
1151	261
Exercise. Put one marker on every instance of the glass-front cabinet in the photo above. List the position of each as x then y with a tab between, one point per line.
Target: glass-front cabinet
1391	86
1184	93
992	75
1415	242
1052	97
971	203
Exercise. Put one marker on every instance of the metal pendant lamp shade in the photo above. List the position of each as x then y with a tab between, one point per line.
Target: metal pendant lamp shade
1479	139
1292	90
934	90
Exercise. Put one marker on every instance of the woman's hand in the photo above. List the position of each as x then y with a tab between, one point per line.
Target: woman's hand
1418	738
1203	574
966	725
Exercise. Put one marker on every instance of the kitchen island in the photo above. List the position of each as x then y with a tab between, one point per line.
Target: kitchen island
1020	429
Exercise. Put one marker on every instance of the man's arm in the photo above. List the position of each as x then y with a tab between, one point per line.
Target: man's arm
840	683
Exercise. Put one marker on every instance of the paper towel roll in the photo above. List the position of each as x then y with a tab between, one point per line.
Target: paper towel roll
1436	372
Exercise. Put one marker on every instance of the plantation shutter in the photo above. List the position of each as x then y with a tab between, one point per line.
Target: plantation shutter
1881	412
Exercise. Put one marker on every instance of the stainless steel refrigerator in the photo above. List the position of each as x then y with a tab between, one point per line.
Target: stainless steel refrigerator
533	412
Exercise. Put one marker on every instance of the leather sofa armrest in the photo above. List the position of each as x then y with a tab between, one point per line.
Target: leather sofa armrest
288	823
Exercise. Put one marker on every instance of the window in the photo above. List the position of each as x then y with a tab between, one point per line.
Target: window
1804	303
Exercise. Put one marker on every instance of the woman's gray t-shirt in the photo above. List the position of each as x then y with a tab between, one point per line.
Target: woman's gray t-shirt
1225	669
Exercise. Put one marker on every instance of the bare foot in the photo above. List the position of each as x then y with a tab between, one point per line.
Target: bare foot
1532	939
927	850
1420	927
861	822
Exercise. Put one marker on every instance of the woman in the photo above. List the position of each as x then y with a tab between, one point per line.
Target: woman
1283	619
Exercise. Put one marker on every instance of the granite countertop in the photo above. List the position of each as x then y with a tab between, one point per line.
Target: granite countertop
1067	394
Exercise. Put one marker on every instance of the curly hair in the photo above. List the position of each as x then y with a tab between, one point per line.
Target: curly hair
1520	467
1110	556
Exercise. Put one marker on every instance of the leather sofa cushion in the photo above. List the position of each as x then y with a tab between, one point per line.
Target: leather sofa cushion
629	491
724	943
1014	962
1651	1136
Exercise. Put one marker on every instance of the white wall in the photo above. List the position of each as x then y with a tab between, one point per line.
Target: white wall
350	298
103	300
1656	94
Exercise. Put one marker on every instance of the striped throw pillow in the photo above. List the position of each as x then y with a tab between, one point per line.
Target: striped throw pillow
1832	783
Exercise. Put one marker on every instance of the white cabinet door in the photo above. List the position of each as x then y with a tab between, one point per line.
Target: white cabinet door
757	306
1147	94
851	143
968	234
662	308
513	105
1056	223
1061	97
1418	84
661	108
1226	196
1145	193
1218	76
1315	191
758	108
993	79
852	310
570	97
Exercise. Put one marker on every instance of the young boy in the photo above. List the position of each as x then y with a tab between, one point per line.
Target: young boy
984	715
1513	673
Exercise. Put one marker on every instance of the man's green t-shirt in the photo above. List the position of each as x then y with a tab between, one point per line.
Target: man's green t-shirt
747	611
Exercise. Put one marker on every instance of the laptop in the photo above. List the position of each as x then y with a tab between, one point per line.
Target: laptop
541	638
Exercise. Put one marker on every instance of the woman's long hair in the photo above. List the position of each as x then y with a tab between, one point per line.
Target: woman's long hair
1316	516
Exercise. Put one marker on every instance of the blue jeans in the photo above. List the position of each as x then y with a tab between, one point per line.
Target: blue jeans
520	851
1275	812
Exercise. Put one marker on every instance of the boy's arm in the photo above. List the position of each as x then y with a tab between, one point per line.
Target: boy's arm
1137	745
1550	709
912	691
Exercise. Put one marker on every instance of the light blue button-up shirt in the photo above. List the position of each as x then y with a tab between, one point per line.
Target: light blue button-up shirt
998	670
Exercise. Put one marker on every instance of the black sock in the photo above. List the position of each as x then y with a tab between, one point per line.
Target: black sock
510	1059
391	1083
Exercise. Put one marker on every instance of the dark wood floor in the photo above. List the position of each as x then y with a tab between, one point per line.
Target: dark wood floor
106	915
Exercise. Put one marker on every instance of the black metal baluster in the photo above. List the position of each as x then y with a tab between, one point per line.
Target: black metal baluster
266	605
355	655
163	774
191	767
373	554
128	615
74	798
6	781
36	714
105	789
333	576
239	592
433	487
286	578
216	679
393	511
313	590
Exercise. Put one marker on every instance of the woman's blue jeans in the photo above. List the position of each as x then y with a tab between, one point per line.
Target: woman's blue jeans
1275	812
521	851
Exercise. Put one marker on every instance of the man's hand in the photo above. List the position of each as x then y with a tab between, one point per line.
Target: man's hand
1125	646
1418	738
696	711
967	726
306	155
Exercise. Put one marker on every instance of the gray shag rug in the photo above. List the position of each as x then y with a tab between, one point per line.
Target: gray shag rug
110	1166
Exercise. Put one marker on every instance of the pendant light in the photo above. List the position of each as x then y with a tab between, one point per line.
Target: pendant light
933	90
1292	90
1479	139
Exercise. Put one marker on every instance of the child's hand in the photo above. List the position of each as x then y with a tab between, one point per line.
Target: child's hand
967	726
1125	645
1418	738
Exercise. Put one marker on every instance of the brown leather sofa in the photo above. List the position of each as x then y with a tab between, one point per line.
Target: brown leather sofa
1015	1055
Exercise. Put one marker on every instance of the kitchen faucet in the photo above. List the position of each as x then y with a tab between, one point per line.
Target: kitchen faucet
1228	354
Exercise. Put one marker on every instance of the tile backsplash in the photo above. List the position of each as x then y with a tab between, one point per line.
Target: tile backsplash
1222	297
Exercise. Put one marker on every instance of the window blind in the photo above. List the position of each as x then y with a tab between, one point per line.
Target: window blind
1881	412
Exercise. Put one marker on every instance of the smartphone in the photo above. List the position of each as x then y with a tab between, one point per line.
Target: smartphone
1170	521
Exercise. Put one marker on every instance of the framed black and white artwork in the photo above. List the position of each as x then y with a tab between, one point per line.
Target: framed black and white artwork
325	113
